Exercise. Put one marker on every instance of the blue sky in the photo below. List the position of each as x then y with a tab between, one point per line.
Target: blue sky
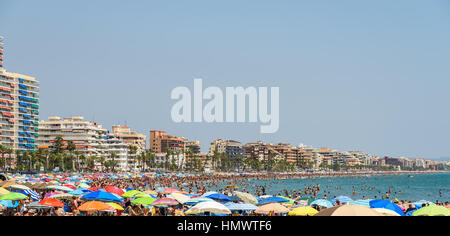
353	75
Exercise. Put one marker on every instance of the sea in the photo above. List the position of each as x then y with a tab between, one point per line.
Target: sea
414	187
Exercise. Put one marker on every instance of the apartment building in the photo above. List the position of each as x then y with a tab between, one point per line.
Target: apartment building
90	138
161	142
19	107
233	149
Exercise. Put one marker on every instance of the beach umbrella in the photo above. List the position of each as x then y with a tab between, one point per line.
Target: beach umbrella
272	200
240	206
9	204
59	188
95	189
52	193
169	190
181	198
432	211
165	202
322	203
196	200
101	196
83	185
34	195
303	211
386	212
114	189
115	206
212	207
143	201
51	202
19	187
13	196
275	208
6	184
360	203
290	201
342	199
70	186
347	210
218	197
379	203
76	192
94	206
246	197
130	193
3	191
63	196
235	198
303	201
36	205
146	195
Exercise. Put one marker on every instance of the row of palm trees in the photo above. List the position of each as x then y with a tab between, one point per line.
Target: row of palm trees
63	156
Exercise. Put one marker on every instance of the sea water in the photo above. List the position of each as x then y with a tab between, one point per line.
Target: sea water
403	187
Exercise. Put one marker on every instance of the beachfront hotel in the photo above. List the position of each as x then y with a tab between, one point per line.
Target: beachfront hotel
19	105
90	139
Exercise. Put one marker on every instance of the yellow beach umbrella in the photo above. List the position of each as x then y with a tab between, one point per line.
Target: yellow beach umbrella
303	211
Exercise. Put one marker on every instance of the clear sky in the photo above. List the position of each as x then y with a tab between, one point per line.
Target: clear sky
353	75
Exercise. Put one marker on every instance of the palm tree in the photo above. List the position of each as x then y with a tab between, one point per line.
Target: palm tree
113	163
102	162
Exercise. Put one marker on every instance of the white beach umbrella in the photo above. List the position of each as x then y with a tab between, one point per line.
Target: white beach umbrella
213	207
386	212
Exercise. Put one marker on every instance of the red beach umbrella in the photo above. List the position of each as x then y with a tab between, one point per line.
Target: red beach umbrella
95	189
114	189
51	202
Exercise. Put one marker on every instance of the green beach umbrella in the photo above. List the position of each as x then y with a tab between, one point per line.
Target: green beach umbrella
143	201
432	211
131	193
13	196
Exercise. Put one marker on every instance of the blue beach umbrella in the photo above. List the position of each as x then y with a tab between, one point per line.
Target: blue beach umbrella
379	203
9	204
272	200
77	192
101	196
218	197
322	203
